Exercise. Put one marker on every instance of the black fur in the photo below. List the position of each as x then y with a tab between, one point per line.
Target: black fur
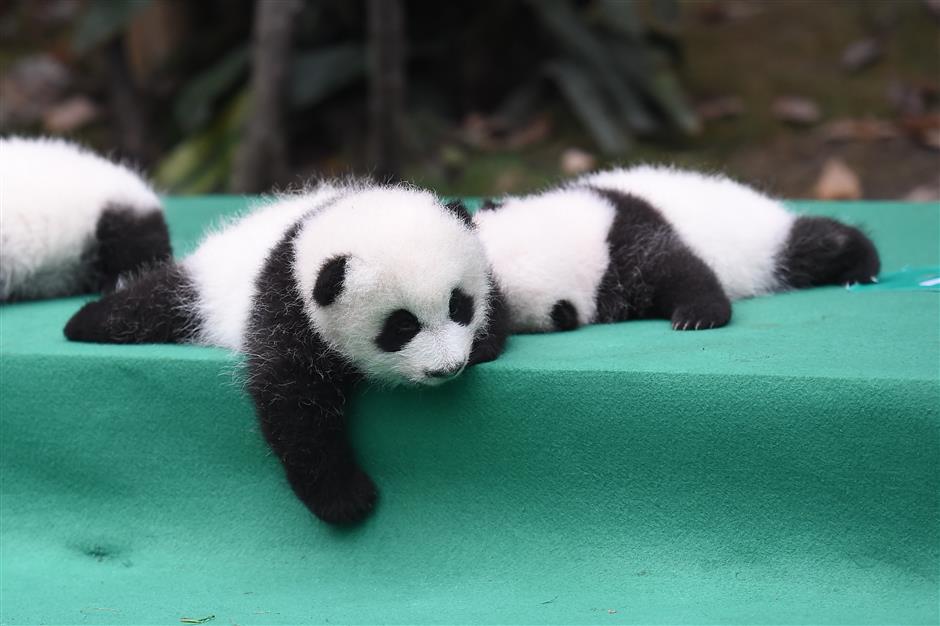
128	241
652	273
461	307
490	340
330	281
564	315
459	209
489	205
156	307
299	386
822	251
401	326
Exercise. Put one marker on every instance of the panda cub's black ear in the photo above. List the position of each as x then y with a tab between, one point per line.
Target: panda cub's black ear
489	204
330	281
459	209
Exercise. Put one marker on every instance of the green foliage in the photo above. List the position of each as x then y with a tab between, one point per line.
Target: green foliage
318	74
102	20
201	163
194	104
608	72
594	57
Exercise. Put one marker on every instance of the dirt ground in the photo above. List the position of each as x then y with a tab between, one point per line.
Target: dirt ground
782	48
754	53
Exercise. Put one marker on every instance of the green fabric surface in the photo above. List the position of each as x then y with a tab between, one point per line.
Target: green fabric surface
785	469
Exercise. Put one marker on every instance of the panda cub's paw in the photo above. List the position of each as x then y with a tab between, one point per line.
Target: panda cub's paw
701	315
347	501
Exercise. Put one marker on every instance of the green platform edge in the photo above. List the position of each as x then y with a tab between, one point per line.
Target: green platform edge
781	470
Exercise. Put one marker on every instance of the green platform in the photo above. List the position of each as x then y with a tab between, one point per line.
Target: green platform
785	469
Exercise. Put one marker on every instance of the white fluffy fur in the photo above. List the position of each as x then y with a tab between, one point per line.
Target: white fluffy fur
406	251
545	248
735	229
553	245
51	195
226	264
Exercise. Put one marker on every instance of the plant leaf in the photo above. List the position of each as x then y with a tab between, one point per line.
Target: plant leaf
201	163
318	74
659	84
568	26
193	106
588	104
102	20
621	18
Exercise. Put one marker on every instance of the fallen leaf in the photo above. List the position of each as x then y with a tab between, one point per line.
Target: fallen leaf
924	193
924	129
861	54
475	130
913	98
31	86
865	129
533	132
69	115
930	138
722	107
837	181
796	110
728	11
509	181
486	133
934	7
575	161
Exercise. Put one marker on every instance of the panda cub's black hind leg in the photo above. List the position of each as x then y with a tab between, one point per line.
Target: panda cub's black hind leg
654	274
688	293
822	251
158	306
129	241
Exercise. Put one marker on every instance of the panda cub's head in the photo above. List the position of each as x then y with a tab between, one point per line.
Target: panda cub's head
394	281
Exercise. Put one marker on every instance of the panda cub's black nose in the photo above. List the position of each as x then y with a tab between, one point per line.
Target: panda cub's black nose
447	373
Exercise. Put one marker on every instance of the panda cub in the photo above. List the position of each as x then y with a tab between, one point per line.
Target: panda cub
73	222
656	242
321	290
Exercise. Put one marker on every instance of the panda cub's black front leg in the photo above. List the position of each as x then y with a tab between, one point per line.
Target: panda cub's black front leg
491	338
302	416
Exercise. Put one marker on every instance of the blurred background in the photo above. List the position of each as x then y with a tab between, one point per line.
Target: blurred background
804	98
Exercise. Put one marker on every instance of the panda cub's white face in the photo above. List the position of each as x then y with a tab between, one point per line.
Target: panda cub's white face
395	282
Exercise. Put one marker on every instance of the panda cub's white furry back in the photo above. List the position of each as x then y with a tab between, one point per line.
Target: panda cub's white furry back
72	221
657	242
320	290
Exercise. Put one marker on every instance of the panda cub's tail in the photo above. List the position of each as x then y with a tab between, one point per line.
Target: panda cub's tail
159	306
822	251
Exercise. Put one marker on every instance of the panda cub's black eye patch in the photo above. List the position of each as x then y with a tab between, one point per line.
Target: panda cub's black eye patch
461	307
400	327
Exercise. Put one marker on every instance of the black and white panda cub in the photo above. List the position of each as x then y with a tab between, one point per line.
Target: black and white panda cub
72	222
656	242
320	290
